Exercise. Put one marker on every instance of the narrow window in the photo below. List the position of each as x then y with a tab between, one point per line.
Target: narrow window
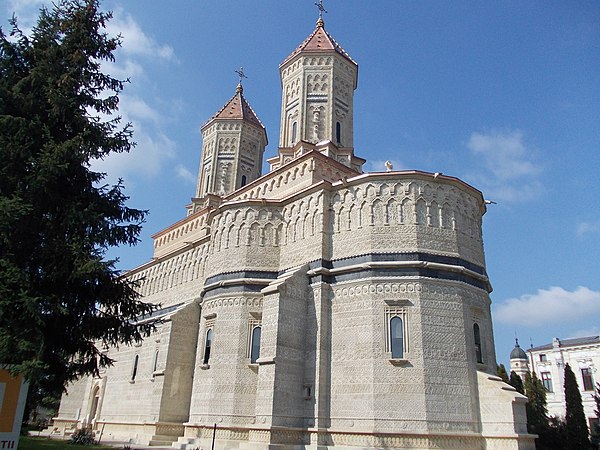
255	351
338	132
243	183
207	346
155	364
135	367
396	330
294	132
477	338
397	337
588	381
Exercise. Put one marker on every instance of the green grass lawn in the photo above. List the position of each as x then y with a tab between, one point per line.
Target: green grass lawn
35	443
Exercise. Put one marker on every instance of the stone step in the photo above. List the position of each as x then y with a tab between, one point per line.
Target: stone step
186	443
161	440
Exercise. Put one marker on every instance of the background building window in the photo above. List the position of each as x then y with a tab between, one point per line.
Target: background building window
543	357
547	381
255	345
243	183
588	381
477	339
338	132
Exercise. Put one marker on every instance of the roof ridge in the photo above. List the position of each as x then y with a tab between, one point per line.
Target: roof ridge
334	44
583	340
254	115
246	110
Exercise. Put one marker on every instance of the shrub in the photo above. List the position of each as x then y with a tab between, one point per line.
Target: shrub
84	436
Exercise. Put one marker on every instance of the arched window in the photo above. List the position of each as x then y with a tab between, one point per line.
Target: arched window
243	182
338	132
397	337
294	132
255	349
207	346
136	360
477	339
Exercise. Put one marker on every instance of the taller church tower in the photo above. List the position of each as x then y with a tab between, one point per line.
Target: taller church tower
318	81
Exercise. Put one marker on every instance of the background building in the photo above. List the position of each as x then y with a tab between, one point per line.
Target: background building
549	360
315	305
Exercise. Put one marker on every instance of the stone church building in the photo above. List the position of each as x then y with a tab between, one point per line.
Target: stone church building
315	305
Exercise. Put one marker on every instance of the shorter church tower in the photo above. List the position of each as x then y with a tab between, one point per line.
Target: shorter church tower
234	141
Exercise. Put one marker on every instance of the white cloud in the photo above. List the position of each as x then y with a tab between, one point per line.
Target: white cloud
518	193
549	306
139	51
585	332
123	70
584	228
135	40
26	12
147	158
27	8
136	109
183	173
504	154
508	173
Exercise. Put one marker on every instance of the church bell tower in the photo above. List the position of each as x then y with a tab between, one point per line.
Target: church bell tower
233	144
318	80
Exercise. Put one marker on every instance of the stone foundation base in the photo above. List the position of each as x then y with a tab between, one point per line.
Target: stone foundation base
159	433
298	439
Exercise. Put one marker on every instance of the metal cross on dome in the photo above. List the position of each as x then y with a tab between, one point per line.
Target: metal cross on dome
241	74
321	8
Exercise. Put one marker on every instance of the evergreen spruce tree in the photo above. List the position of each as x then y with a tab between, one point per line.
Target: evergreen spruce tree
596	432
502	373
516	382
576	427
61	301
536	409
555	437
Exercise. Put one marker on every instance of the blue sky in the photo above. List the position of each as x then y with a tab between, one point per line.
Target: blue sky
504	95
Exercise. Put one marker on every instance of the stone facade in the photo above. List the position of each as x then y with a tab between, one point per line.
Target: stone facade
316	305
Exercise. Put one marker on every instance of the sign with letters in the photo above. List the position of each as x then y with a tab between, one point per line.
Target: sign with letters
13	393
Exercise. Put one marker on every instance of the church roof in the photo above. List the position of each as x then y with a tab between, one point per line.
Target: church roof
574	342
237	108
319	41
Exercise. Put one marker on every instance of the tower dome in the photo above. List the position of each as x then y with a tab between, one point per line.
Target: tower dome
519	362
518	352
